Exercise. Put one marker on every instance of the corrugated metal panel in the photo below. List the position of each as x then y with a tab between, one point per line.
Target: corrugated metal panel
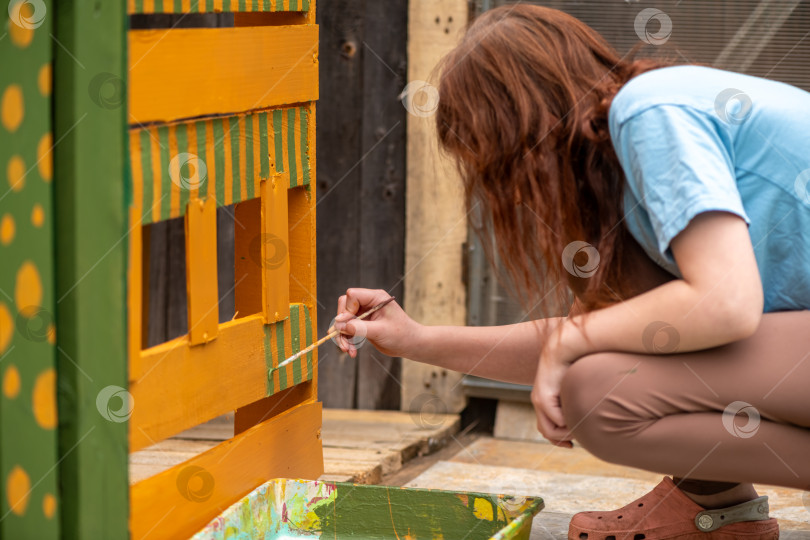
766	38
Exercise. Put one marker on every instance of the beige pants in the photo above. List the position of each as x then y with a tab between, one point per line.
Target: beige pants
737	413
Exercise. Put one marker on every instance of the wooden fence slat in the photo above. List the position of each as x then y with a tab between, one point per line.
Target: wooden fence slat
383	187
435	214
91	230
339	184
361	183
201	271
275	252
29	485
184	73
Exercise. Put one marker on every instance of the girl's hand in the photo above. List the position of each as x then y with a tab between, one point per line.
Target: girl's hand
390	329
556	357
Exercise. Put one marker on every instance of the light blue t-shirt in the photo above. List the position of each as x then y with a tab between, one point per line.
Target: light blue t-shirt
695	139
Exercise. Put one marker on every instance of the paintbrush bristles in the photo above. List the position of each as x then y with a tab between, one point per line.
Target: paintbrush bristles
332	334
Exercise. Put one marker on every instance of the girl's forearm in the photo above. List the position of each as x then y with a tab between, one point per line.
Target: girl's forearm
674	317
506	353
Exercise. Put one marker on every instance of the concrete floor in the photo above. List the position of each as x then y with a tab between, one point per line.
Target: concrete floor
569	481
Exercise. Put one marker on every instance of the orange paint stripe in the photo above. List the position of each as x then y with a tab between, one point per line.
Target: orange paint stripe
288	350
271	142
297	130
209	159
226	150
148	6
186	5
243	179
302	332
257	158
217	5
174	172
284	148
137	171
273	348
156	174
191	134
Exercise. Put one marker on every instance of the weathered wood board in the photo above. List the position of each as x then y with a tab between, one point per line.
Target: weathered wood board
437	222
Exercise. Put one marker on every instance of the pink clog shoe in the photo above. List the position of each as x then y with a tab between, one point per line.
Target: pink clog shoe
666	513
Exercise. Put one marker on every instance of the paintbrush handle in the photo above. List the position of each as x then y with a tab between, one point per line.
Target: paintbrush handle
334	333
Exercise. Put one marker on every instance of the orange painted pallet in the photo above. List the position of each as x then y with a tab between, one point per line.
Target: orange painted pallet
225	117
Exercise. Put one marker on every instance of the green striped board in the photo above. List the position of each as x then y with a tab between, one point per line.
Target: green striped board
215	6
223	157
282	340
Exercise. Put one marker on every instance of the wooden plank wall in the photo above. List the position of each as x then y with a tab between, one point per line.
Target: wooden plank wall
361	183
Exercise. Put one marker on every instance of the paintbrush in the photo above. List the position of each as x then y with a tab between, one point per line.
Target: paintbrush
334	333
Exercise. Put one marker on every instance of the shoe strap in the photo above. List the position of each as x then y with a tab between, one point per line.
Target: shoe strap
754	510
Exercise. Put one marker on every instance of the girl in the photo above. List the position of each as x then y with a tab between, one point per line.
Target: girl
673	202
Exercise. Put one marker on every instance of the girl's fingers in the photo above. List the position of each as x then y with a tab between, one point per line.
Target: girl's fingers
554	413
550	430
364	298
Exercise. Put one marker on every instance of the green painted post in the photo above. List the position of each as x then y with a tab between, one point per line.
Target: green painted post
91	243
29	500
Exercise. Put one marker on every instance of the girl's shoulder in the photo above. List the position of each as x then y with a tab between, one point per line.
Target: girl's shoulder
701	89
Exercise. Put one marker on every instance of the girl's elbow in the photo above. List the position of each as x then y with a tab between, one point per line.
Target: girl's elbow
741	314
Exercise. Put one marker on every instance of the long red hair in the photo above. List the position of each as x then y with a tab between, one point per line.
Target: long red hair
523	110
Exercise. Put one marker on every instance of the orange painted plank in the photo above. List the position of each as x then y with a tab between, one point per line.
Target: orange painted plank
180	386
275	248
240	69
180	501
201	270
135	288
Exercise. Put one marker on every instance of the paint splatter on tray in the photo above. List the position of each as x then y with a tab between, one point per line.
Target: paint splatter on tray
285	509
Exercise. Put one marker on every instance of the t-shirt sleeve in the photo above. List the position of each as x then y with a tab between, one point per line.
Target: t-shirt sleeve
677	166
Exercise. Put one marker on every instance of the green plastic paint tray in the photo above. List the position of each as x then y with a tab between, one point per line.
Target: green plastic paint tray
285	509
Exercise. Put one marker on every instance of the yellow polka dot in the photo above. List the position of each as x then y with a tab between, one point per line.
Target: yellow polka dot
21	35
28	290
11	107
45	80
15	172
18	487
11	382
52	334
45	399
45	157
37	215
49	505
7	229
6	327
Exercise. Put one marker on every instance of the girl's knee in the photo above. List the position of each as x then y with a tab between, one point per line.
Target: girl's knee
591	405
582	388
